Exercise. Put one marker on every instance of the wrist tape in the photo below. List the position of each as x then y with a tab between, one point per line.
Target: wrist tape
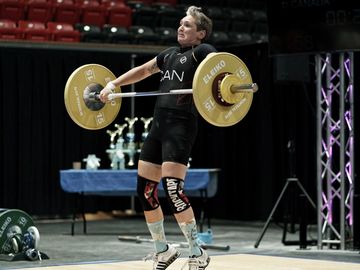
110	85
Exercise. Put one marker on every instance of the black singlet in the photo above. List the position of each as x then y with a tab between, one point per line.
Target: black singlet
174	126
178	66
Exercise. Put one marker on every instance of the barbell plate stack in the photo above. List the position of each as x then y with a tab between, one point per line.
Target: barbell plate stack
208	76
12	222
87	113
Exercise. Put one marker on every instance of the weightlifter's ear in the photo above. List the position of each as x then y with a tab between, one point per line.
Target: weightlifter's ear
202	34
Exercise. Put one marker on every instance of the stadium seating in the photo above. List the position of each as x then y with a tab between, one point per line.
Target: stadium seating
8	30
117	34
66	11
93	13
63	32
35	31
167	36
39	10
12	9
144	35
90	33
119	14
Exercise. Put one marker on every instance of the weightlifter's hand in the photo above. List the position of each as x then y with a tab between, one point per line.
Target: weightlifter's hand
108	89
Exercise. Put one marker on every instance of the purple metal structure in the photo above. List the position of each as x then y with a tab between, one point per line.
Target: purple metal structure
335	148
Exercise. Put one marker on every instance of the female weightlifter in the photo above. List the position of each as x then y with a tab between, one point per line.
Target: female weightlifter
166	150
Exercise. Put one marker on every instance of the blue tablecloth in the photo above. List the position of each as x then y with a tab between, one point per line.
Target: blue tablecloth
123	182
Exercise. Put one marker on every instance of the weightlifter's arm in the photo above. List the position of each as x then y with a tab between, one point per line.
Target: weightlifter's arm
132	76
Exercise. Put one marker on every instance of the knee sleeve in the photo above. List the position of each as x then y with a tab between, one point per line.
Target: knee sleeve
174	190
147	191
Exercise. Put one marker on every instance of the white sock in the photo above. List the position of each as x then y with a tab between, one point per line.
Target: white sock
190	231
158	235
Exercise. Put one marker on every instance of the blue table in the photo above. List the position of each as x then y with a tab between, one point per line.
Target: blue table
198	183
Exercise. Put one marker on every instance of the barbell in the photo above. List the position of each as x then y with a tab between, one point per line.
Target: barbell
222	91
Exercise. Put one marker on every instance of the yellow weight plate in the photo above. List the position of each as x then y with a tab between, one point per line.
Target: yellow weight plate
90	114
208	76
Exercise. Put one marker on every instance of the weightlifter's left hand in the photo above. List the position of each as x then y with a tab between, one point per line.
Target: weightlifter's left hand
108	89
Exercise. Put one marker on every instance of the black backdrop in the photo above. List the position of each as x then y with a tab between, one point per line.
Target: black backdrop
38	138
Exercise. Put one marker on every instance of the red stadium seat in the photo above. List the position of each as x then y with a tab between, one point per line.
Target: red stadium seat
93	13
35	31
119	14
39	10
81	2
8	30
112	2
12	9
63	32
66	11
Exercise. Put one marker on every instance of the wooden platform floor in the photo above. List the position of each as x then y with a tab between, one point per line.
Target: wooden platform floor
101	249
221	262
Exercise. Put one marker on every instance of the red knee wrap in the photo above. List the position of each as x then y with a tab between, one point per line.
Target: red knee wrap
148	193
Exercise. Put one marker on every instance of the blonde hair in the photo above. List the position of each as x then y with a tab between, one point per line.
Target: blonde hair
202	21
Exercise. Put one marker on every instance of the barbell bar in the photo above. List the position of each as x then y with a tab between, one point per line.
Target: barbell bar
252	88
222	91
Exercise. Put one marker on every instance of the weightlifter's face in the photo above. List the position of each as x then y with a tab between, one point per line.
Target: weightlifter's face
188	35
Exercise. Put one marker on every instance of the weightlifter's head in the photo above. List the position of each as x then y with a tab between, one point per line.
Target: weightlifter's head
194	28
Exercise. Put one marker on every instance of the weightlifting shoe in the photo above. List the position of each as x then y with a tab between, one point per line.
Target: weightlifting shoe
163	259
198	263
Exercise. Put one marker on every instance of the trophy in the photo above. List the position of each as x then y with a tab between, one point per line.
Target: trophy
116	151
112	138
146	122
131	145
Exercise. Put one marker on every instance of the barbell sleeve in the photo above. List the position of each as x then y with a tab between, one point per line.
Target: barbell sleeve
180	91
250	87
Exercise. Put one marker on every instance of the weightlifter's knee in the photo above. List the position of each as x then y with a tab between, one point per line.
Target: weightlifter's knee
174	190
147	191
